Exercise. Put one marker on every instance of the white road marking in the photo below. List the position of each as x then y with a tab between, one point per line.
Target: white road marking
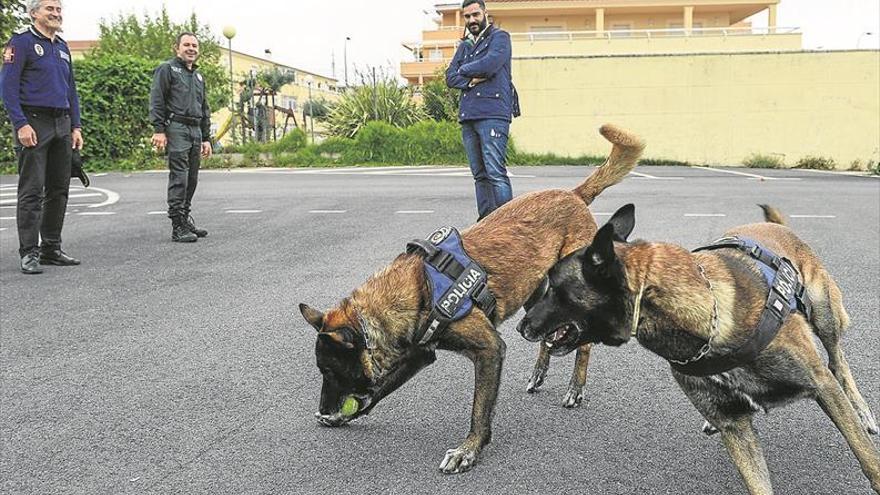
7	218
705	215
4	228
332	212
851	173
733	172
157	212
813	216
8	194
89	195
112	197
243	211
414	212
96	213
102	174
646	176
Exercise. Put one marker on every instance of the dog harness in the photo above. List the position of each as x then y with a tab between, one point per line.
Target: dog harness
787	295
457	282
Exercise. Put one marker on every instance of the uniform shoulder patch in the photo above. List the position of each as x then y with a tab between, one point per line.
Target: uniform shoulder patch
9	54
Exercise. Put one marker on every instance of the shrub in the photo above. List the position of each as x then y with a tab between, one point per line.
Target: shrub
381	100
439	101
290	142
114	92
817	163
757	160
874	168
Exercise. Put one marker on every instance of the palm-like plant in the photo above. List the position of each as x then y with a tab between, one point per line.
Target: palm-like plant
376	99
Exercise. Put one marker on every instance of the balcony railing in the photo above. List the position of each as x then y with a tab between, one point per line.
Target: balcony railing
653	33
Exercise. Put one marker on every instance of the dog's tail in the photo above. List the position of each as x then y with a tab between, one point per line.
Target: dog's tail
772	215
625	153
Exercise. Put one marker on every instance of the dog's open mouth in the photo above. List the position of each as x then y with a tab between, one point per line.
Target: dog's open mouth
563	339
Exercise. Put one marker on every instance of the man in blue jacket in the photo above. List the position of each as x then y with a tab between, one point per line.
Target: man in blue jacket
481	70
39	94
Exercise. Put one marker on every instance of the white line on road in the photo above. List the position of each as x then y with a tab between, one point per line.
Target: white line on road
753	176
156	212
646	176
243	211
332	212
813	216
7	218
705	215
89	195
4	228
112	197
414	212
96	213
850	173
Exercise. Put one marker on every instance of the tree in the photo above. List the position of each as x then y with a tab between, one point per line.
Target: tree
12	16
153	39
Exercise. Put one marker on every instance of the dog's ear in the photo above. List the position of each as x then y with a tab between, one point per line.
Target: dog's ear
599	256
623	221
336	338
342	338
313	316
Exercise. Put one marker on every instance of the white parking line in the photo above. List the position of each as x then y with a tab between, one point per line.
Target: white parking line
813	216
850	173
414	212
96	213
234	212
705	215
331	212
156	212
733	172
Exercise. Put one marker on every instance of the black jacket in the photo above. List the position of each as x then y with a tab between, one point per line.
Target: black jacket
179	91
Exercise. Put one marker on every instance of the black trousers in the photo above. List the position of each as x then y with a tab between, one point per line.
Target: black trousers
184	159
43	182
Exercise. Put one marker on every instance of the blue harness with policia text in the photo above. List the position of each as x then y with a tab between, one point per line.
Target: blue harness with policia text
457	282
787	295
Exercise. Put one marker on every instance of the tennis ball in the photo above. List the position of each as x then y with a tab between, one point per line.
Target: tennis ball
350	406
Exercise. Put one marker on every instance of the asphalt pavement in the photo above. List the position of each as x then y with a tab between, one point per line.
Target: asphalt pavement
157	367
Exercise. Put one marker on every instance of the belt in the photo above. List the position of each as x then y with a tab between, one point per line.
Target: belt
185	120
46	111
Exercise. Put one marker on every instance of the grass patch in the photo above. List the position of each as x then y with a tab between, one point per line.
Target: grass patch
816	163
757	160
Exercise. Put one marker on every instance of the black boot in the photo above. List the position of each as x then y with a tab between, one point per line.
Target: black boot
180	232
192	227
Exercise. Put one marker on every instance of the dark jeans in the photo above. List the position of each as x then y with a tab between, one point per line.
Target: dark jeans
485	142
43	182
184	158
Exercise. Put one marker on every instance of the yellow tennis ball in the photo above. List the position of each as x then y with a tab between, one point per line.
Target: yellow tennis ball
350	406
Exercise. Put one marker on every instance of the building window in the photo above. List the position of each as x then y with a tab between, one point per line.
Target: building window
435	55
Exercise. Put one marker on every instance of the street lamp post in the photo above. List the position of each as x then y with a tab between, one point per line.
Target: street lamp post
345	61
229	33
309	81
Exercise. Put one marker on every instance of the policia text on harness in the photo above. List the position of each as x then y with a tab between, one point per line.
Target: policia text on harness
457	282
787	295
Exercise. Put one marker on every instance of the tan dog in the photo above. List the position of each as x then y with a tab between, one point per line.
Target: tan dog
699	309
365	347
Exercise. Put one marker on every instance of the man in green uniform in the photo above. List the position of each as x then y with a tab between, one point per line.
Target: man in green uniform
182	126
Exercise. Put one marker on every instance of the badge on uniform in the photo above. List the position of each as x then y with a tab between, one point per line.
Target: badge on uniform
9	54
39	49
199	76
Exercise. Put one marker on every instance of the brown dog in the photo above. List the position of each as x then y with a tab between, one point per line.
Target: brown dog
365	348
700	310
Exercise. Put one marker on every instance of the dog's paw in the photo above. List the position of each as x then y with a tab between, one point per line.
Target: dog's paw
536	380
868	422
573	397
708	429
458	460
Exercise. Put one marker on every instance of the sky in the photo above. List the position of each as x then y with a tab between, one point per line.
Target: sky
310	34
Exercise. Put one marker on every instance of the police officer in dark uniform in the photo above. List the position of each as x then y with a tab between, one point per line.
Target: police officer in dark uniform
39	94
182	125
